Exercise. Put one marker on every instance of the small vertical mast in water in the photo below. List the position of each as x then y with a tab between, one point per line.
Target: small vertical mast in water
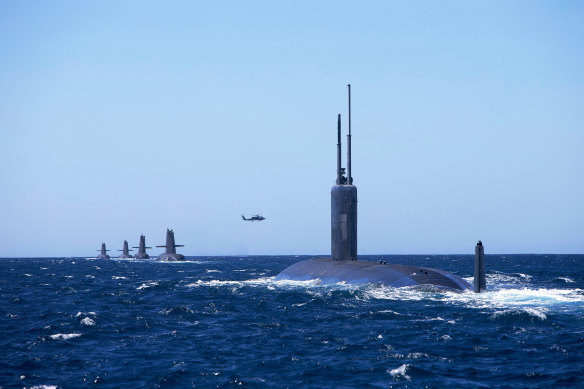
344	204
480	279
103	252
141	254
170	254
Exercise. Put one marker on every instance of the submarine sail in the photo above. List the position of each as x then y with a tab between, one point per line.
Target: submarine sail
170	252
141	254
103	252
343	265
125	251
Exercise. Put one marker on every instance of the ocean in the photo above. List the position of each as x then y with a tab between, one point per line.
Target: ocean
224	321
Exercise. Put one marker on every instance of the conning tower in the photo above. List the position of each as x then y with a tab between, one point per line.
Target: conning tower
170	254
344	203
103	252
125	251
141	254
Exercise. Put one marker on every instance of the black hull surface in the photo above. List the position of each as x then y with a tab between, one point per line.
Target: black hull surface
363	272
171	257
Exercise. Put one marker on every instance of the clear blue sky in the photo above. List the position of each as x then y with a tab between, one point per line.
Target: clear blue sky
121	118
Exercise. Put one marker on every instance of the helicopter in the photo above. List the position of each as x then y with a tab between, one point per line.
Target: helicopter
254	218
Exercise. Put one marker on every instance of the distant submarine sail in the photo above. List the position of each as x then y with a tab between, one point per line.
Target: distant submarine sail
125	251
103	252
343	265
141	254
170	252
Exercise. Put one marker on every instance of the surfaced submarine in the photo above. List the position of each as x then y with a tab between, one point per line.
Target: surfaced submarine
170	254
103	253
125	251
141	254
343	265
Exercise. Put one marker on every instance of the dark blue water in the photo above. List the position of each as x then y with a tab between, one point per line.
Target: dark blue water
223	321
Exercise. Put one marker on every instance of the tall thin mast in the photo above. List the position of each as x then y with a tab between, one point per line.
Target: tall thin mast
339	181
349	177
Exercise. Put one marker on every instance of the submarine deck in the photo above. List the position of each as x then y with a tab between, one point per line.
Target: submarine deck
362	272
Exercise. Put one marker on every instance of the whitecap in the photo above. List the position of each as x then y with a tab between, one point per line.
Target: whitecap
265	281
119	278
296	284
541	299
64	336
42	387
567	280
85	314
437	318
88	321
400	372
213	283
147	285
538	314
417	355
388	311
398	294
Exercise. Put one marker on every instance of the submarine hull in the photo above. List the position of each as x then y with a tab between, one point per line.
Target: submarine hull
103	256
142	256
171	257
363	272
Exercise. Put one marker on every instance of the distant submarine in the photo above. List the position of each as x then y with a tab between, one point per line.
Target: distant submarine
125	251
170	254
141	254
343	265
103	254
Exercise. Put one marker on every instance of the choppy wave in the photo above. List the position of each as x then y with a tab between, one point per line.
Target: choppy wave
567	280
258	282
147	285
400	372
87	321
64	336
157	324
529	312
42	387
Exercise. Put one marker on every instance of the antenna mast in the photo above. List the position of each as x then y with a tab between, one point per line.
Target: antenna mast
339	179
349	177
